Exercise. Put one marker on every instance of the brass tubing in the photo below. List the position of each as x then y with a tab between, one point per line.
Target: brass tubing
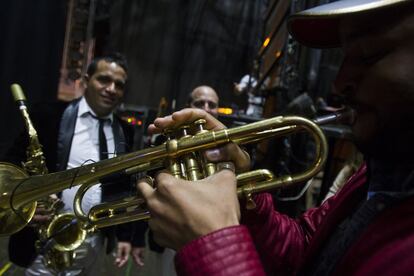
130	215
187	144
254	176
136	202
33	188
321	150
208	168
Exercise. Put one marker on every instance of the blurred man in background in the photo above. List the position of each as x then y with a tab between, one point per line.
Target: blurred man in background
204	97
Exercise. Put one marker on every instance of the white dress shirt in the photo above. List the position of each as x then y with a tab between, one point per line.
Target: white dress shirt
85	150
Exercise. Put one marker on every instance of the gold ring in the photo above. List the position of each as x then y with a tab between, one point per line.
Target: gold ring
148	179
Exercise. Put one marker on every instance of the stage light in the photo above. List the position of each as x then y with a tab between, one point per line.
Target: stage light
278	54
225	110
266	42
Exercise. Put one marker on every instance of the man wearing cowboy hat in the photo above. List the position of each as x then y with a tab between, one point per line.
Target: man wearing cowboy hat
368	227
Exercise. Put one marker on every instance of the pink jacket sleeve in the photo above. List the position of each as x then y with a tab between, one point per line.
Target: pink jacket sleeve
229	251
280	240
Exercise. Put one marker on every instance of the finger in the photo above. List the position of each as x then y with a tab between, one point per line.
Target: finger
163	122
42	211
40	218
186	116
138	260
164	176
215	155
228	174
145	189
189	115
230	152
148	179
123	261
223	176
119	254
158	125
121	258
240	157
152	129
120	262
166	183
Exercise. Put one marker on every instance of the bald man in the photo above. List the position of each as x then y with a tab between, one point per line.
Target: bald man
206	98
160	261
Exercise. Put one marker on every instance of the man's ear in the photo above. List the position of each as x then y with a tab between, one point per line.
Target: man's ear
84	80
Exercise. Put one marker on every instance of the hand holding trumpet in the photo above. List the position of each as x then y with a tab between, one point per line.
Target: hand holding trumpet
46	210
228	152
182	210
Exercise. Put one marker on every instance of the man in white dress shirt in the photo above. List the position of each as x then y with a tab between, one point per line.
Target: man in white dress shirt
71	139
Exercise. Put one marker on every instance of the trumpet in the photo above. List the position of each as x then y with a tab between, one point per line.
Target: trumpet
248	183
18	191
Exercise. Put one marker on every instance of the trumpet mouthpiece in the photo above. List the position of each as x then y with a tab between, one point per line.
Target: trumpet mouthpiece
344	116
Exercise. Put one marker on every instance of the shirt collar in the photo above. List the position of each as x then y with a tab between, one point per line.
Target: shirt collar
85	109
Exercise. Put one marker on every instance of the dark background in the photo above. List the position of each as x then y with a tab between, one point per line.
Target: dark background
32	34
171	46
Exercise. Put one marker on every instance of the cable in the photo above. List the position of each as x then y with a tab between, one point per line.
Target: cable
77	171
15	211
293	198
49	242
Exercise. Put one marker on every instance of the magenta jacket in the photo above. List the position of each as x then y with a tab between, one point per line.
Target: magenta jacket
272	242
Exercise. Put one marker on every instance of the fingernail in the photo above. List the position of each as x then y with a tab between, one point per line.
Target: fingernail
213	154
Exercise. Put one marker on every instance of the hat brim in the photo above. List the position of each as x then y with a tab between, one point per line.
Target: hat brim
319	27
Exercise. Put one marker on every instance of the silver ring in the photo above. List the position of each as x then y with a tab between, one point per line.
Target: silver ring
226	166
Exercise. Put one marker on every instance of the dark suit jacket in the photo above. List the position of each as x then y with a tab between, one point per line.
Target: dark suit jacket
55	125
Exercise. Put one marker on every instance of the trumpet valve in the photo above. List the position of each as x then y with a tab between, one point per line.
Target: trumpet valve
168	133
250	204
111	213
209	168
248	195
199	125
